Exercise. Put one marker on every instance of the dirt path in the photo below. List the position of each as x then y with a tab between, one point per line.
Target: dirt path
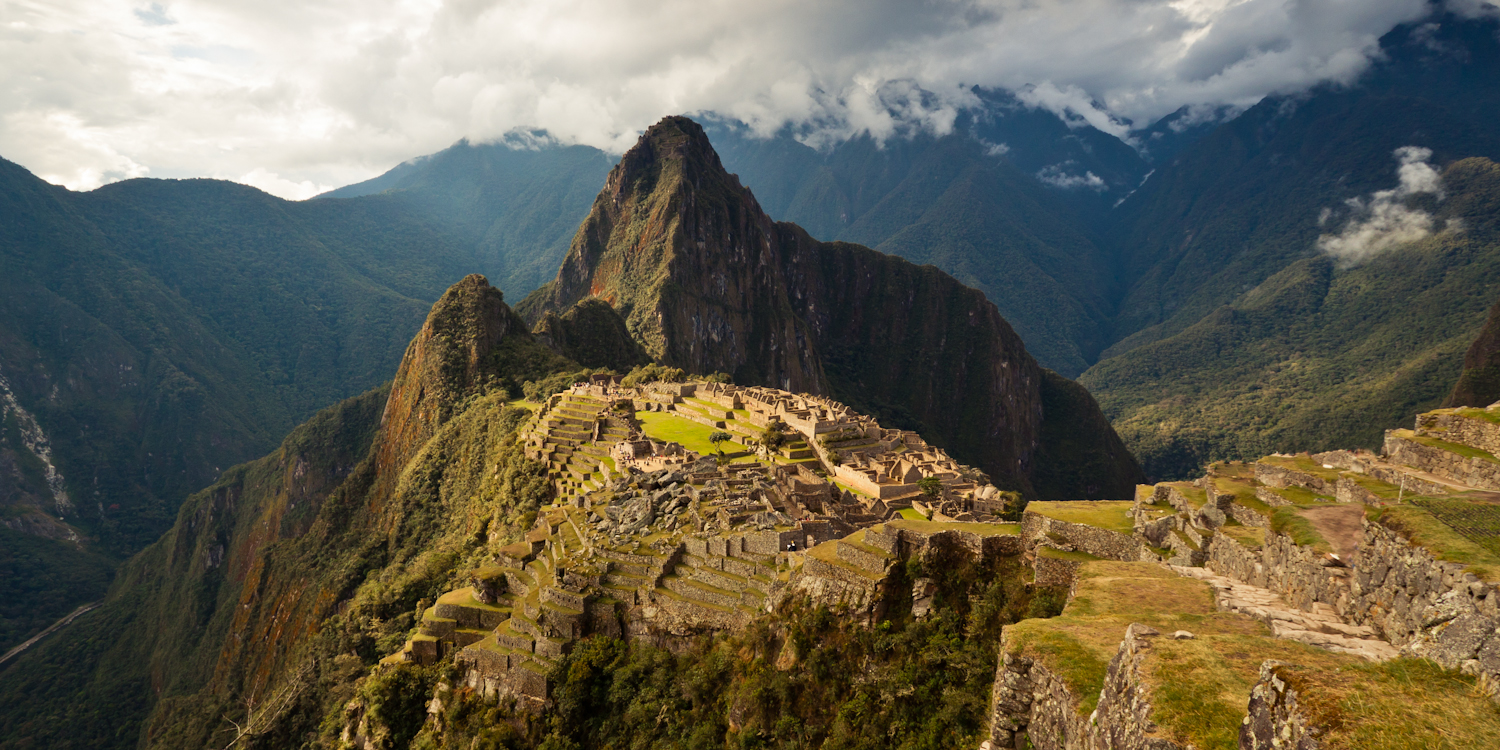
1340	525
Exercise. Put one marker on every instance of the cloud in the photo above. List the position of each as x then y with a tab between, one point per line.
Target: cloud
1385	219
333	91
1057	176
277	185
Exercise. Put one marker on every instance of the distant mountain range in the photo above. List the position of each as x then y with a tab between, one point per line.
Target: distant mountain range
154	333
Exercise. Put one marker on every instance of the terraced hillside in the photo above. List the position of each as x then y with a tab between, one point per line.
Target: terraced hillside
1338	600
660	532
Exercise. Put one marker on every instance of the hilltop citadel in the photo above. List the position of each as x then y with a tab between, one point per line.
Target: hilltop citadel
1288	582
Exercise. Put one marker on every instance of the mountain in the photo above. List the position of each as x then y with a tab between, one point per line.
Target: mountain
281	581
1479	382
515	204
154	333
704	280
1223	329
1316	355
1005	203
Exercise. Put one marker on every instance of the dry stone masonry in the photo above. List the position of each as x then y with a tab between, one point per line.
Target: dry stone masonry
1319	549
652	541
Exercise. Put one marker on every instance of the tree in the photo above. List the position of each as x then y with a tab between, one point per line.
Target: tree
930	486
718	439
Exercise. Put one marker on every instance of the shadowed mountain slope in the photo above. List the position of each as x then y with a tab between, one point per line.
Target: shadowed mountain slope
706	281
274	590
156	332
1479	383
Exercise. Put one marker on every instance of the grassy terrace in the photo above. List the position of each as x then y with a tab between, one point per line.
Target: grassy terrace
982	529
1301	495
1463	450
1243	491
1106	514
1452	529
690	434
1303	463
1399	704
1251	537
1288	520
1195	496
1493	417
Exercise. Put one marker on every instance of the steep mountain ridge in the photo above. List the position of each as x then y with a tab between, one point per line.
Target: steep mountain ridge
156	332
274	589
1479	382
706	281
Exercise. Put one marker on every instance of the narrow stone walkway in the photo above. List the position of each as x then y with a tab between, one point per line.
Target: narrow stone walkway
1321	627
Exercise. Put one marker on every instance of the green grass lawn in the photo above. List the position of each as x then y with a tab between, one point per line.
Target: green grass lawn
693	436
1105	514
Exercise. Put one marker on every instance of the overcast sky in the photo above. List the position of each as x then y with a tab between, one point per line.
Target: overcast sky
298	96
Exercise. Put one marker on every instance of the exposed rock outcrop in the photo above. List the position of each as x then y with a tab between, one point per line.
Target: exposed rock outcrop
706	281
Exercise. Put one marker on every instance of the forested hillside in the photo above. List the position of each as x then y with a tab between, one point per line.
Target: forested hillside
154	333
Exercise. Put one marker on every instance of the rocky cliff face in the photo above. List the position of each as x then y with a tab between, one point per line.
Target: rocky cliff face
707	282
1479	384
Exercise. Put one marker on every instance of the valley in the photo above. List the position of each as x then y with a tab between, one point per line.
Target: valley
1001	422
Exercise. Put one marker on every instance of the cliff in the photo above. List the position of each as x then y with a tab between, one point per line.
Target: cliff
1479	383
705	281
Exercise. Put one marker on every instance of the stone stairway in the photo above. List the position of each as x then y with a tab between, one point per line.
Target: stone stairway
1320	627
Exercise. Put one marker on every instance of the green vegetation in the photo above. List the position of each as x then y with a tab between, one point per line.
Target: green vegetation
1313	357
1105	514
1288	519
1362	705
786	681
41	580
693	436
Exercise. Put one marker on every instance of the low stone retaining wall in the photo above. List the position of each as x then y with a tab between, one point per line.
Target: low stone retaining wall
1055	572
862	559
1281	476
1030	700
1479	433
1274	721
1428	607
1475	472
1109	545
1300	575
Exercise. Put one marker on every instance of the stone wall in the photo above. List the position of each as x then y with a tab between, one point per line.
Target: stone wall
1428	607
1030	702
1425	606
1301	575
1109	545
1479	433
1281	476
1475	472
1055	572
1274	721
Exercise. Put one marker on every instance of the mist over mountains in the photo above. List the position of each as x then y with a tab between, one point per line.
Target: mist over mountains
1298	275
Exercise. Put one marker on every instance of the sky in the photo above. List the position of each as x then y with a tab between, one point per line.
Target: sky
299	96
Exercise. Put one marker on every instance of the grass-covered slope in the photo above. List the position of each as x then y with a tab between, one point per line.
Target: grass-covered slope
161	331
1315	357
281	583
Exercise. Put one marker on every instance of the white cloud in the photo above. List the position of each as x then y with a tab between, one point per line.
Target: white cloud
1385	219
332	91
277	185
1057	176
